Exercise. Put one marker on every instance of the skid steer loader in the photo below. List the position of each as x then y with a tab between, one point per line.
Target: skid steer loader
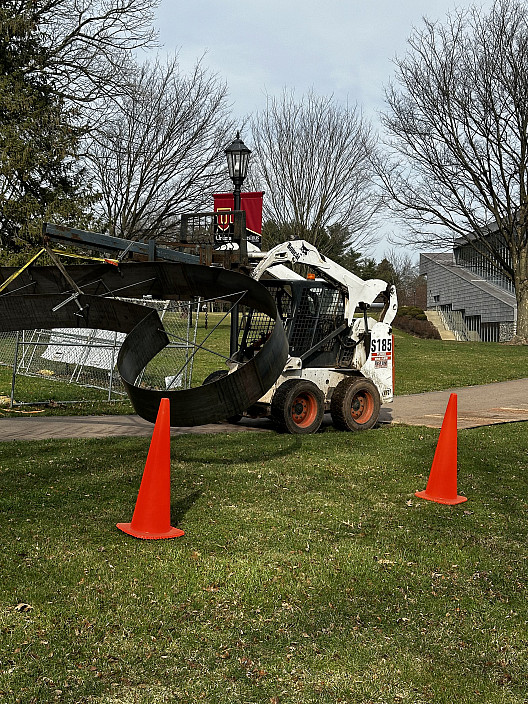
340	359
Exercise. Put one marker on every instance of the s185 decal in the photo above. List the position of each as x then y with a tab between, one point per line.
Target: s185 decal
383	344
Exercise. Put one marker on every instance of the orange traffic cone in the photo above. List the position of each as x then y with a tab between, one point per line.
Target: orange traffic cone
442	484
151	519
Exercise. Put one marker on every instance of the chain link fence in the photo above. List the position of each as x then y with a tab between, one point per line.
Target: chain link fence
84	358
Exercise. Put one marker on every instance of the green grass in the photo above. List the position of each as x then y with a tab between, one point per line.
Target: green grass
308	572
421	365
433	365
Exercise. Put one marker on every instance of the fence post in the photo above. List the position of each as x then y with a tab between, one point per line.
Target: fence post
13	378
111	382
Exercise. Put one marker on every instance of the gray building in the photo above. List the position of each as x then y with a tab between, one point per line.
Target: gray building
475	301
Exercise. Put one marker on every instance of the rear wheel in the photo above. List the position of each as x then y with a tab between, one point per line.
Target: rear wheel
355	404
214	376
298	407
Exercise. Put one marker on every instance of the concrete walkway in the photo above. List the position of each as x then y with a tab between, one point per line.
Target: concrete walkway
504	402
55	427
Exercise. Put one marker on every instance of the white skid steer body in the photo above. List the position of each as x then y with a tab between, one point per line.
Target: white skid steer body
341	360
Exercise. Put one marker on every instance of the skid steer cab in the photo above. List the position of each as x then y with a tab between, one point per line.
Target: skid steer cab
341	359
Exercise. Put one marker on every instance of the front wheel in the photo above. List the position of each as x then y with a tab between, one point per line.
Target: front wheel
298	407
355	404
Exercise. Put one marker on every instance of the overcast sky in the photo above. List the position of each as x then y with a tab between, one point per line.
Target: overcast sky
342	48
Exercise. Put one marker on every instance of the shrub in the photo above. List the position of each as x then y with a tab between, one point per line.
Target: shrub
412	312
414	321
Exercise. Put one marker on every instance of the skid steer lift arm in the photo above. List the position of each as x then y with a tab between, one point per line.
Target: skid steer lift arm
358	293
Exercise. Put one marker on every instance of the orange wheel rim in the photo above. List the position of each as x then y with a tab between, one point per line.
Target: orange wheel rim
362	407
304	410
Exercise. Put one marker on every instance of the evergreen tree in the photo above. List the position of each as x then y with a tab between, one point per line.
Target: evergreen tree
61	61
38	138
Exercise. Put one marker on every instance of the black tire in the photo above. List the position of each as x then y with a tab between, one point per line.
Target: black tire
298	407
355	404
214	376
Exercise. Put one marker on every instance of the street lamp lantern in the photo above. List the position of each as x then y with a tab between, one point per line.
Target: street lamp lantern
237	155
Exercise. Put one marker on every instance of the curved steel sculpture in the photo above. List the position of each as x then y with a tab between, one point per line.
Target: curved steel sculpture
41	297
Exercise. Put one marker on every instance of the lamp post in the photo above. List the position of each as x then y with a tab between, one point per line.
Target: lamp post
237	155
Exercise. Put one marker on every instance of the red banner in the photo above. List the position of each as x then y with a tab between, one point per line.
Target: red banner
251	202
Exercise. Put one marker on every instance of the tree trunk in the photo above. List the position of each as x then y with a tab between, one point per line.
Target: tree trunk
522	311
521	292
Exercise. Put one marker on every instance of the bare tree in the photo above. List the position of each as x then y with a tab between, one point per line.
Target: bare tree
312	158
405	275
457	163
85	45
159	151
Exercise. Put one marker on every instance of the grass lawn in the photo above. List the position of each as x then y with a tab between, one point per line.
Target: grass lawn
308	572
434	365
